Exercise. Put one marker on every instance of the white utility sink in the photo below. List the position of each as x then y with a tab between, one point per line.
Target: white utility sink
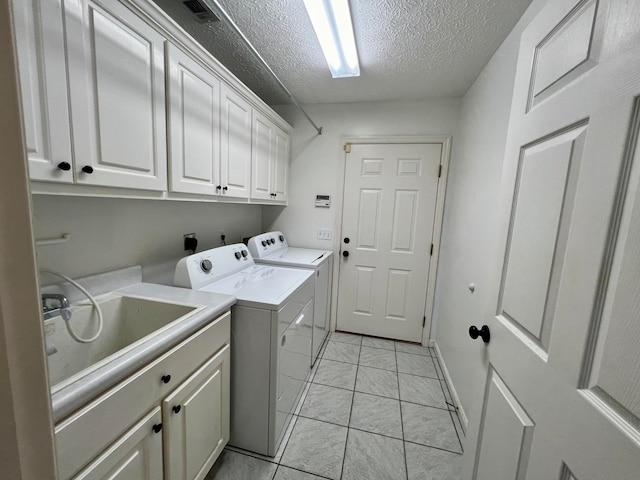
129	322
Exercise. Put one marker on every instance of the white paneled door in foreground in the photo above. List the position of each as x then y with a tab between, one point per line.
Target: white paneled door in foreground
562	398
387	228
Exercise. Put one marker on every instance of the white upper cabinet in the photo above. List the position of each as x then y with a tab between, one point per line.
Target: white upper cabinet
116	77
43	82
235	168
270	160
194	126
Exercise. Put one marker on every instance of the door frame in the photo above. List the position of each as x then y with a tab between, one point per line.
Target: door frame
445	141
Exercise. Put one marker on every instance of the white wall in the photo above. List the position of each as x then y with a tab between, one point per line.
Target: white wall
467	247
315	159
108	233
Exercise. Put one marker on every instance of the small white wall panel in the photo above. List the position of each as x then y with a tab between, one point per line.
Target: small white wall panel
404	220
506	435
364	290
369	218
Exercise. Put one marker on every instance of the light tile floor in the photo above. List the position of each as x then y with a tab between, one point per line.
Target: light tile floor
372	409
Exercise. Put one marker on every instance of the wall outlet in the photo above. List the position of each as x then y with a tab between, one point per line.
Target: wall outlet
324	233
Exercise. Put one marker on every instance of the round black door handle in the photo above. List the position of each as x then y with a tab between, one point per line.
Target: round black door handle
157	427
166	378
347	239
64	166
482	333
345	254
87	169
177	408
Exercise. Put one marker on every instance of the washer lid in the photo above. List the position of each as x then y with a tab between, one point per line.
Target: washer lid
297	257
261	286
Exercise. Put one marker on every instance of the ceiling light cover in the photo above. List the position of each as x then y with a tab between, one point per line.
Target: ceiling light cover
331	21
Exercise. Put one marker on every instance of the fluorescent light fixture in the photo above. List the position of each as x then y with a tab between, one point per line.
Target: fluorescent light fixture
331	20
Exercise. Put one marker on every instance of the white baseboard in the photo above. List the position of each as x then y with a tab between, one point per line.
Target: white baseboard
454	394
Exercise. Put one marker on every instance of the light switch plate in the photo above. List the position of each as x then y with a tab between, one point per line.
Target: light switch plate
324	234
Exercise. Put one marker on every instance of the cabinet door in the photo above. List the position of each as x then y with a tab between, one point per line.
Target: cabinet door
281	165
116	76
137	455
43	84
194	126
196	417
235	168
262	157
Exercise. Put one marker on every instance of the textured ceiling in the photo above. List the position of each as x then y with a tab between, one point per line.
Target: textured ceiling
409	49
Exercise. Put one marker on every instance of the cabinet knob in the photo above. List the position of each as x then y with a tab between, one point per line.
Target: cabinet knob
177	408
225	188
345	254
87	169
157	427
218	187
64	166
166	378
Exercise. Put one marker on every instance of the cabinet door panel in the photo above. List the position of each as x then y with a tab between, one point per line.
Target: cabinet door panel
137	455
194	126
196	416
116	75
236	144
281	165
262	157
43	83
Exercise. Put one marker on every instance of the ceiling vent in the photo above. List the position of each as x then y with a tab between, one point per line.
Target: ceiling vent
200	10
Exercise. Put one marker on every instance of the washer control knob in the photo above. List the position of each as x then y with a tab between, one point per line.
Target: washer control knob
273	241
281	237
237	255
264	243
244	253
206	265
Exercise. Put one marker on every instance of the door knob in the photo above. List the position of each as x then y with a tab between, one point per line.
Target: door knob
482	333
177	408
157	427
64	166
88	169
347	239
345	254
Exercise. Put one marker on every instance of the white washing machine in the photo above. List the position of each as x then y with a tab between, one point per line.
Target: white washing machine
271	328
272	248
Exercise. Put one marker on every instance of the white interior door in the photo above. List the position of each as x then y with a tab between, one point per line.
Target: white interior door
562	397
387	229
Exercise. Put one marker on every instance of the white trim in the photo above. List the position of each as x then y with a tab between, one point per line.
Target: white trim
464	421
445	141
26	432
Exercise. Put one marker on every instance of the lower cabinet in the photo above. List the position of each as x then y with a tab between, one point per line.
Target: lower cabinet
196	420
170	420
136	455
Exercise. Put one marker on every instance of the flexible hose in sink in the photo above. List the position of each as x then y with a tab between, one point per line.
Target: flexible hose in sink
73	334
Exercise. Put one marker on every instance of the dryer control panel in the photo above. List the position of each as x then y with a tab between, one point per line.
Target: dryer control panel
206	267
267	243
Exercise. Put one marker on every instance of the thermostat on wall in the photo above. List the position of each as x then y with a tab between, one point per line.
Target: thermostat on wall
323	201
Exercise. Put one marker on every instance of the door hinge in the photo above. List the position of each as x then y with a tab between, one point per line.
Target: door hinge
424	321
431	253
439	171
347	147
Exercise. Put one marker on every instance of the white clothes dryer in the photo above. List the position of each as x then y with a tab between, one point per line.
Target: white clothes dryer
271	328
272	248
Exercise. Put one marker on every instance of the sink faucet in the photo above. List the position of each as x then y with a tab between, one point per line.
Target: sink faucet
60	306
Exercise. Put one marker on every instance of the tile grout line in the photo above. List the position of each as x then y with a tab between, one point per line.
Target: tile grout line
434	447
404	450
346	442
